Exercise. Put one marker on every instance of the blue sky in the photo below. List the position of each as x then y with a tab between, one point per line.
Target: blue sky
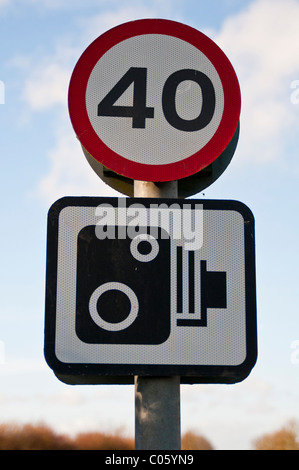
41	160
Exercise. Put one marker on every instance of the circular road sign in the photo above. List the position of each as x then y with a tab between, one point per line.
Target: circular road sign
154	100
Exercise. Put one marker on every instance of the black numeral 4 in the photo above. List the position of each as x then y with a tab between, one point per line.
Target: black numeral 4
138	112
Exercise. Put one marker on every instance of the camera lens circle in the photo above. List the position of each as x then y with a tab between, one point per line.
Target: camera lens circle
135	247
95	314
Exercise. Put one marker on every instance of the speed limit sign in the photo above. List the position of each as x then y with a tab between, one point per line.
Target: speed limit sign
154	100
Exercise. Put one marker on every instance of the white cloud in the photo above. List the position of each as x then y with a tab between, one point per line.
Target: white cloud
13	366
70	173
47	79
260	42
259	409
92	27
46	86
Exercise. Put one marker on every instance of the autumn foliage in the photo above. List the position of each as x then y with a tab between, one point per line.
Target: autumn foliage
193	441
286	438
41	437
101	441
31	437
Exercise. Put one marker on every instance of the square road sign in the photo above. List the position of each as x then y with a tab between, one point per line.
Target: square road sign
151	287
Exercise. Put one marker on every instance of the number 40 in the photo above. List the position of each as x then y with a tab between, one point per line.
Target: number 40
139	112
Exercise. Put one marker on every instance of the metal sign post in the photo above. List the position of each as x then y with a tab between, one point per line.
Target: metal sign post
157	413
157	399
151	290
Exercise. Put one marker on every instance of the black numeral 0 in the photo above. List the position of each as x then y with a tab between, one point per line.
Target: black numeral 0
208	100
139	112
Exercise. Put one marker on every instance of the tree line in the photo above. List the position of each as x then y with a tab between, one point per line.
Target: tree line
42	437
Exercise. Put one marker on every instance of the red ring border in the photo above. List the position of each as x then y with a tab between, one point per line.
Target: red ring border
140	171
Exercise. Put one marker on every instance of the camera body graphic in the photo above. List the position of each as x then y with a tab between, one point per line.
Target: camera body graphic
123	288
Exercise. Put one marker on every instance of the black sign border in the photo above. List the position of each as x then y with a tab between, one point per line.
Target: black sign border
124	373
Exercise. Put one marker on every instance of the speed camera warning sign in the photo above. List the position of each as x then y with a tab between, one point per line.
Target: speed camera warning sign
154	100
150	287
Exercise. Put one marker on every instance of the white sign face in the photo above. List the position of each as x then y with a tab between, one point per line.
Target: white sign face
151	287
154	100
164	138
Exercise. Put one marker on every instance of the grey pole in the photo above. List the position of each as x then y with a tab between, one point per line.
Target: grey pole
157	399
167	189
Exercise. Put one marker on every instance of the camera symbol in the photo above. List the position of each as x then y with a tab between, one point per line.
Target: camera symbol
124	293
123	288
